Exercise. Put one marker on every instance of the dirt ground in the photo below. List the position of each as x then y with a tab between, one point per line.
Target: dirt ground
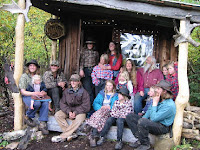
80	143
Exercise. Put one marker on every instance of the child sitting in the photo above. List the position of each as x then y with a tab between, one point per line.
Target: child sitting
152	93
125	82
38	86
121	108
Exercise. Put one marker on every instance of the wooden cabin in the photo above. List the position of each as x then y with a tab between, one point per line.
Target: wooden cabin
112	20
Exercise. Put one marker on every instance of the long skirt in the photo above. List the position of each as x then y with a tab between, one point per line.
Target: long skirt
98	119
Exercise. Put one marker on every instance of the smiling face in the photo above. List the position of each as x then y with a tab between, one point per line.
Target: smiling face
109	87
171	70
32	68
54	68
90	46
74	84
111	46
129	65
37	81
165	71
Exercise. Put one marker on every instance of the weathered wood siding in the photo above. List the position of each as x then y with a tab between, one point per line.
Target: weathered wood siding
69	52
69	47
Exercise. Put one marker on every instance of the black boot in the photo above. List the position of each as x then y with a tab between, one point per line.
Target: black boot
29	121
43	128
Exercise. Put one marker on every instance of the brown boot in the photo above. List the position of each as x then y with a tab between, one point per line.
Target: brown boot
93	142
29	121
43	128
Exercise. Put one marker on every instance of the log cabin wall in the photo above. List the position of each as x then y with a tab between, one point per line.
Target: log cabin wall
69	46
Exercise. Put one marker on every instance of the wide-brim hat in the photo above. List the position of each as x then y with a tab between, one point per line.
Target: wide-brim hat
33	62
164	85
55	62
75	77
90	41
125	92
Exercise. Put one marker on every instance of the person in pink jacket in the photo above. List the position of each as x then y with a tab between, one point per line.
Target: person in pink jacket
135	76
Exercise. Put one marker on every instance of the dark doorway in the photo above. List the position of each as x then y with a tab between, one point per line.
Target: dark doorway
101	34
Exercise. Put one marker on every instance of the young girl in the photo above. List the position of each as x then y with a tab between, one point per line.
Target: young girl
102	105
121	108
125	82
38	86
165	71
152	92
173	78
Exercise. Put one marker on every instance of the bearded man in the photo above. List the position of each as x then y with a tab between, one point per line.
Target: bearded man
151	76
157	120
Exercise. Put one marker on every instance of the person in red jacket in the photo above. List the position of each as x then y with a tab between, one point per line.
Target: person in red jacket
115	60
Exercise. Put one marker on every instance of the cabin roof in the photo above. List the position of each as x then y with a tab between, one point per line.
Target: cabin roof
160	12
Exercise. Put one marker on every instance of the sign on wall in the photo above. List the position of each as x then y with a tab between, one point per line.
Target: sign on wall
136	47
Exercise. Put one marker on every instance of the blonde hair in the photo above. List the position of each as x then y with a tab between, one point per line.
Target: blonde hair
155	92
114	86
36	77
105	57
171	63
133	73
124	74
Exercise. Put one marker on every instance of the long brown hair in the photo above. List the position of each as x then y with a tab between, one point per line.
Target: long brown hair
114	86
36	72
133	73
167	95
117	53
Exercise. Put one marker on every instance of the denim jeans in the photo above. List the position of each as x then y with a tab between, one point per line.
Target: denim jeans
109	123
42	106
87	83
138	100
55	94
100	86
141	127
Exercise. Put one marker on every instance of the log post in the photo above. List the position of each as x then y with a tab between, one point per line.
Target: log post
54	45
183	96
19	59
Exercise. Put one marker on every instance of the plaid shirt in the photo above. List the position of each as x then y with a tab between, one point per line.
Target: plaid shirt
99	73
173	79
88	58
121	110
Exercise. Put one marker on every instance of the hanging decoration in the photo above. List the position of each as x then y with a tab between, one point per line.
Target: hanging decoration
54	29
14	8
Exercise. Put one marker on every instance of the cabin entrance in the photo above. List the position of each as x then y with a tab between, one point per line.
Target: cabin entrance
102	34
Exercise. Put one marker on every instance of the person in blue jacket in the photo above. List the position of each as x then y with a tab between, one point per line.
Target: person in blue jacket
157	120
102	105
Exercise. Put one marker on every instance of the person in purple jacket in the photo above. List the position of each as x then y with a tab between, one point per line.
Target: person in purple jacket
151	76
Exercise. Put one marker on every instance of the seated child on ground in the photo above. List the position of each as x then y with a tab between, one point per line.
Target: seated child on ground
38	86
121	108
152	92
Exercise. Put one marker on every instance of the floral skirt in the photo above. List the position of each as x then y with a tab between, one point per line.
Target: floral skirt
98	119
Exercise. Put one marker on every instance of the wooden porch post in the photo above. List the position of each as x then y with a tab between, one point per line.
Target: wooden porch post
183	96
54	45
19	59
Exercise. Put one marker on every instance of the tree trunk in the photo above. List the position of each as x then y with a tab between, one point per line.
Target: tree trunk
19	58
183	96
54	46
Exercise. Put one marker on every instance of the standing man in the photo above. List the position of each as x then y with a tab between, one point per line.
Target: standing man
55	83
89	58
157	120
151	76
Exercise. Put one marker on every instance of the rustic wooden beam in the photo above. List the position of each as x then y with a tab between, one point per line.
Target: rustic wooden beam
183	95
19	58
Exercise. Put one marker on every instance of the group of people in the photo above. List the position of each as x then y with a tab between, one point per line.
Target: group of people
115	93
